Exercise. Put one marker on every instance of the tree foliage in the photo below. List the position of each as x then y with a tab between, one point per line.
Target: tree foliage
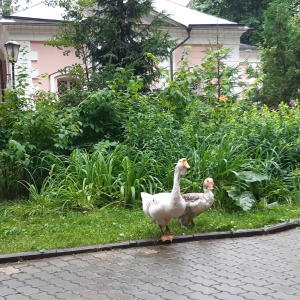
247	12
7	7
109	34
281	54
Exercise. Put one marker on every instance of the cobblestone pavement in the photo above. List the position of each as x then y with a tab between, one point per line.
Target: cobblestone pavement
259	267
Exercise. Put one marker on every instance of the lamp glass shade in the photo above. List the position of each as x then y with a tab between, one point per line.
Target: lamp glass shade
12	50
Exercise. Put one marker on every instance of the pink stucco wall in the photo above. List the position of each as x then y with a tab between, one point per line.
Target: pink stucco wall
196	54
50	60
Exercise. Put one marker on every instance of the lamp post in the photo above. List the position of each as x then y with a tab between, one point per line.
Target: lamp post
12	50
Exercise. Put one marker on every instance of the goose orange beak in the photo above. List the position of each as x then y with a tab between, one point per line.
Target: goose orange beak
211	185
185	163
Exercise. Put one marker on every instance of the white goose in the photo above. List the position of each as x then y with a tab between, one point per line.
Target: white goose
197	203
162	207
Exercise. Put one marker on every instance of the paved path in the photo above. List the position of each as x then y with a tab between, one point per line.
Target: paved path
260	267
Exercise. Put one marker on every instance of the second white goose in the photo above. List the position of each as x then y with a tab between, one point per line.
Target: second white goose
197	203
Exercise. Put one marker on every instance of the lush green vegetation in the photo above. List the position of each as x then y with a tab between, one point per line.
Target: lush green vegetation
66	166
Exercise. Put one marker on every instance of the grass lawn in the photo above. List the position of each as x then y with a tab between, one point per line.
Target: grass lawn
20	231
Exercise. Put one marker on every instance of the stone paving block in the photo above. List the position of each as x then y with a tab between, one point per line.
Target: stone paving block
231	289
226	273
51	289
287	289
113	294
155	280
255	296
144	295
59	262
68	286
228	296
151	288
71	296
83	281
295	280
43	275
94	295
254	281
172	295
5	291
43	296
34	282
203	281
13	283
278	280
179	290
21	276
261	290
3	276
27	290
183	281
283	296
31	269
17	297
205	290
200	296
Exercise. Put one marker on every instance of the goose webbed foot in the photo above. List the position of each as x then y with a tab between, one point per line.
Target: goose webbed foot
167	235
166	238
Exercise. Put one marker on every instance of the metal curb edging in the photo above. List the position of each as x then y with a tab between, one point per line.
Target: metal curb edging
21	256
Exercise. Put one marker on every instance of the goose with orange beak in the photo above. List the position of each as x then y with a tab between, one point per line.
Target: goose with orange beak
163	207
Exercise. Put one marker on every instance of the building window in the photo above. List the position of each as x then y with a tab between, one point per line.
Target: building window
64	85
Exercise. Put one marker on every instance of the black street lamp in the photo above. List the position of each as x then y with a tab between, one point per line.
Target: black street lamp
12	50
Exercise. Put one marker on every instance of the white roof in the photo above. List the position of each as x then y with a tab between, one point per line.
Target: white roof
177	12
188	16
40	10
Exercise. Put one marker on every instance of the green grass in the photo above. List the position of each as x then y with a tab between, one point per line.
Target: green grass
21	232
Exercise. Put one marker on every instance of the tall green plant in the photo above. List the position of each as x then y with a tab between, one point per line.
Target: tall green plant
86	181
281	61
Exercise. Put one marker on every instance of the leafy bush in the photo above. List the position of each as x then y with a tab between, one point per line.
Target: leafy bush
132	139
31	124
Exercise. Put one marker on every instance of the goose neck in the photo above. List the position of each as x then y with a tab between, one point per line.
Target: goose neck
176	183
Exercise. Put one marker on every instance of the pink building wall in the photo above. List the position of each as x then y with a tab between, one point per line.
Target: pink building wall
196	54
50	60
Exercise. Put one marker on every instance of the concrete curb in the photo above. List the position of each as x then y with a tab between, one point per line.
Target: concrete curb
21	256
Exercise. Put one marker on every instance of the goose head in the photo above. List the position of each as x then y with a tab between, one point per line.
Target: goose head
208	184
182	166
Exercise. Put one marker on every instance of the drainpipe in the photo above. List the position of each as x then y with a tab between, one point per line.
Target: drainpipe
188	30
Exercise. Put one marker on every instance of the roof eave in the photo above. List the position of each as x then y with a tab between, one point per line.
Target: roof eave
218	25
16	18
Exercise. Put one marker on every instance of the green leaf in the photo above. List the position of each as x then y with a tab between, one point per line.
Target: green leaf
245	200
41	249
250	176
